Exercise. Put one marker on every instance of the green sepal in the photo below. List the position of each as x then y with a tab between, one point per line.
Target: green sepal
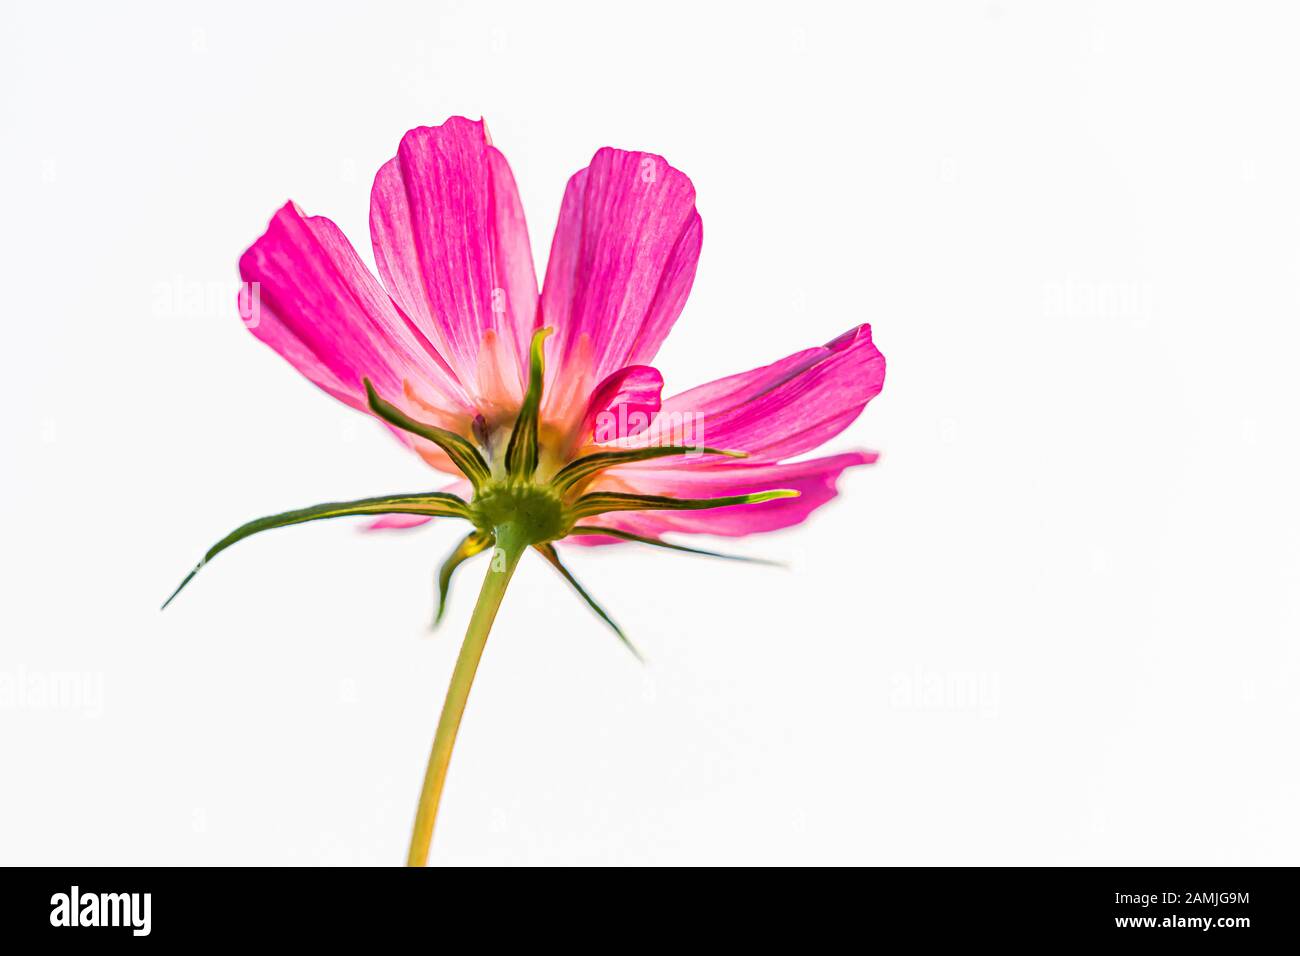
602	502
474	543
521	453
655	542
432	504
547	550
460	450
581	468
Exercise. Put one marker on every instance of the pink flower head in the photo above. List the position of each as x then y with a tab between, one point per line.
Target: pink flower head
545	407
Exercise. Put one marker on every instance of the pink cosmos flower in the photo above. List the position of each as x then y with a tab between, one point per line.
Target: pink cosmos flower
544	407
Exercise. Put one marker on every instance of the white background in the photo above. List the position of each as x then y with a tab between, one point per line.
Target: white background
1056	624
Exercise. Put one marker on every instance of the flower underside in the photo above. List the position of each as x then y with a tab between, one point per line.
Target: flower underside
448	346
512	495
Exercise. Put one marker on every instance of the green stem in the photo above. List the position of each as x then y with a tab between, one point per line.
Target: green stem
510	544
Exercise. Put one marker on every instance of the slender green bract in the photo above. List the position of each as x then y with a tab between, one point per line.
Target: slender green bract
655	542
460	450
575	471
547	550
431	504
473	543
521	453
602	502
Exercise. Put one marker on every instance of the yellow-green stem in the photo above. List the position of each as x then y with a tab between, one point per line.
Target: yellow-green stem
510	544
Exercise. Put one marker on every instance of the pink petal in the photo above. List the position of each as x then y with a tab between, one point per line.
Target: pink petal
623	405
308	296
780	410
452	247
622	261
814	480
396	522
